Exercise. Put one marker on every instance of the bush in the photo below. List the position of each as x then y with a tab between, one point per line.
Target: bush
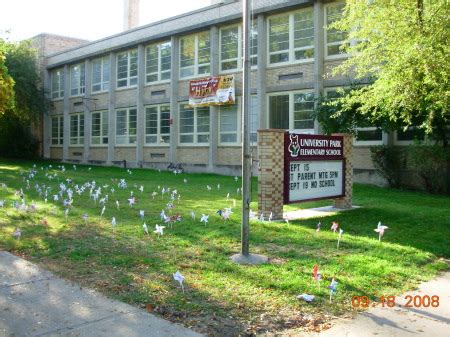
16	140
432	163
389	161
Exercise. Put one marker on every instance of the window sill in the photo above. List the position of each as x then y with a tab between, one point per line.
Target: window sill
99	92
198	76
127	88
148	84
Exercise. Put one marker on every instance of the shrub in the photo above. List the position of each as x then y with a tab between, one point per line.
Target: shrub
389	161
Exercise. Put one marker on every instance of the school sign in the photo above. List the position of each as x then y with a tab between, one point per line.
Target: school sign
303	167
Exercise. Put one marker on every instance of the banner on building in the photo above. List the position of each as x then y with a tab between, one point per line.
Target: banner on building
214	90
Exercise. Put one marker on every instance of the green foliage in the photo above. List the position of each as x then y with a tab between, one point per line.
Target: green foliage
432	163
404	45
29	102
6	82
389	161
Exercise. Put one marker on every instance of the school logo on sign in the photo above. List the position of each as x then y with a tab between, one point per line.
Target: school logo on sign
294	147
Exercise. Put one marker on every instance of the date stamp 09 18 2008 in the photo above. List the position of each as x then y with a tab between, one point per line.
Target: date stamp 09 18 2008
390	301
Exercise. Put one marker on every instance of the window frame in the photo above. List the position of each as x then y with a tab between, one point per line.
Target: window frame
102	136
238	142
195	133
291	32
325	38
79	138
128	78
59	130
196	64
158	134
80	85
240	58
160	72
104	85
59	91
127	128
291	109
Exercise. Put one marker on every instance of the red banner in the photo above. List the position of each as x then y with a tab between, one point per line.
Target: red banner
212	91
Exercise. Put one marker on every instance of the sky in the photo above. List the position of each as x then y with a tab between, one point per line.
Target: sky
85	19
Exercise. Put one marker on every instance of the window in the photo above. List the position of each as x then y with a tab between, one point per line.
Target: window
99	134
57	130
410	134
333	38
126	123
77	79
195	55
57	83
228	124
100	74
77	129
254	118
127	68
157	124
194	125
231	47
291	37
292	111
158	62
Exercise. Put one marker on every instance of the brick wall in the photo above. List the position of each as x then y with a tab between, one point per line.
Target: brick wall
271	174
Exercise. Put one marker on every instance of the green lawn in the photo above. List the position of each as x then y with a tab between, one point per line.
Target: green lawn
221	297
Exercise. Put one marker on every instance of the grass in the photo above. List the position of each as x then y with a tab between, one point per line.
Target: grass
222	298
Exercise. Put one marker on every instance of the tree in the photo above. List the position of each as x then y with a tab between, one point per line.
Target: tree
403	47
27	100
6	82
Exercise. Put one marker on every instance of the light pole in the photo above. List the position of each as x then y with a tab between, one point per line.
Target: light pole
245	257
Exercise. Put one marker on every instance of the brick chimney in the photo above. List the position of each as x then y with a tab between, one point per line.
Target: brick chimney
130	14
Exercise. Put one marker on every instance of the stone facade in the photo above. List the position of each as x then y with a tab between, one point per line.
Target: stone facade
346	201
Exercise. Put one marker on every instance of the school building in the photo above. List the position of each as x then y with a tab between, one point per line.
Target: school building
125	97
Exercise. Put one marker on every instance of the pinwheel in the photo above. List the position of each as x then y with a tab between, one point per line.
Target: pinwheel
316	275
179	278
318	227
85	217
141	214
103	211
333	288
341	231
17	233
334	226
159	230
306	297
204	218
193	215
117	204
113	223
380	230
145	228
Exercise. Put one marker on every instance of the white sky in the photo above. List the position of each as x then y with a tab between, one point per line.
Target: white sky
86	19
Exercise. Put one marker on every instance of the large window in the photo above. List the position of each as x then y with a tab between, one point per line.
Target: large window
157	124
77	129
100	74
334	38
194	125
126	123
231	47
158	62
229	124
195	55
99	134
291	37
292	111
127	68
57	83
77	79
57	130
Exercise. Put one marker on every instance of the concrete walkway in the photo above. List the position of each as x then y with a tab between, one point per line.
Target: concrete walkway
34	302
400	321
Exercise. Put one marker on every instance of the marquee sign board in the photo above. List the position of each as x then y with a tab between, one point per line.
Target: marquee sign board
314	167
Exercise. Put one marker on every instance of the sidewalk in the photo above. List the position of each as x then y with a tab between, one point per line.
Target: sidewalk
34	302
400	321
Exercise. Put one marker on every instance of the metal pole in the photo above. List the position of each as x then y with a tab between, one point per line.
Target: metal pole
246	156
